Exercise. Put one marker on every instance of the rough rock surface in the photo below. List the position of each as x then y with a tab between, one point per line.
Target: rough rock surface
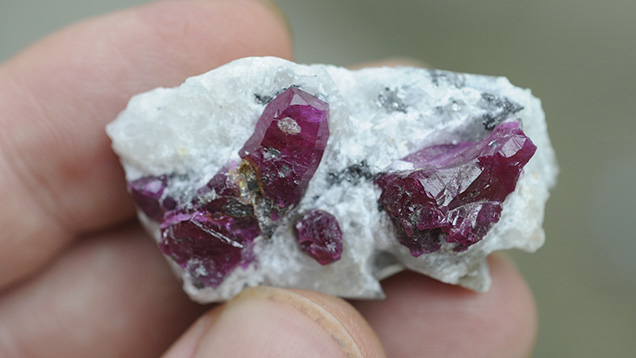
185	151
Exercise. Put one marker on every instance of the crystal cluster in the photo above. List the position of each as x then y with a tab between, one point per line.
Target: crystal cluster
212	235
454	192
268	172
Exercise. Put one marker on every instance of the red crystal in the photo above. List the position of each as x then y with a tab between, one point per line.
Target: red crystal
319	236
148	195
213	235
221	184
454	193
208	245
287	145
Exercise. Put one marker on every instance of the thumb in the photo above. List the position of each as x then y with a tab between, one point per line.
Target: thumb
273	322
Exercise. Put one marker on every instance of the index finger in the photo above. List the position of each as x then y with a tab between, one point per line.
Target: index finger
58	175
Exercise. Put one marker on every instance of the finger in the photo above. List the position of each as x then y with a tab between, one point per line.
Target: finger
58	175
272	322
422	317
112	296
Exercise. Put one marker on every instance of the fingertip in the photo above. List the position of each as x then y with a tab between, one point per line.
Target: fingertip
352	320
275	322
453	321
187	344
518	310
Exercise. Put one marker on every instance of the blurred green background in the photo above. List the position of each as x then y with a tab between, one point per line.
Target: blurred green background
578	56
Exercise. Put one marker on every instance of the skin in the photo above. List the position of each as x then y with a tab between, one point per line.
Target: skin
78	277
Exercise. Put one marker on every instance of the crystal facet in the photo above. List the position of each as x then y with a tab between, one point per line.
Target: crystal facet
148	194
208	245
454	192
212	236
319	236
288	144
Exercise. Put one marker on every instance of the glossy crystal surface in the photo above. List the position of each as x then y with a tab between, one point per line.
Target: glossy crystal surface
208	244
454	192
287	145
212	235
319	236
148	195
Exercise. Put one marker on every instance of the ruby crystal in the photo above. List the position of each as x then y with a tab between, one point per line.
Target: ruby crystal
287	145
208	245
213	237
148	195
454	193
319	236
213	234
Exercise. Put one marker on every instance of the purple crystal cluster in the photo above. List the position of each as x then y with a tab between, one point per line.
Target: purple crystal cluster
454	192
213	234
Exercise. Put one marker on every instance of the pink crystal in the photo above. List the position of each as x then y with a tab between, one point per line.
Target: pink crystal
221	184
319	236
212	239
213	234
148	195
288	144
454	193
208	245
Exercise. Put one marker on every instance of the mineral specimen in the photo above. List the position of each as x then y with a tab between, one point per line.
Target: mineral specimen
148	194
287	145
319	236
212	235
264	171
208	245
454	191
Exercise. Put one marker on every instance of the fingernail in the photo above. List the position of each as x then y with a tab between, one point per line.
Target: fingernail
272	322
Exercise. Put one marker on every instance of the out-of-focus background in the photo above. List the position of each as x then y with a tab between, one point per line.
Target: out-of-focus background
578	56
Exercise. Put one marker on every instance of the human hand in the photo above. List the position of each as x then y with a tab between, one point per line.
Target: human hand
78	278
